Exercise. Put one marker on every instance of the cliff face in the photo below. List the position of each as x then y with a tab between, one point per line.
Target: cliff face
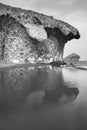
27	36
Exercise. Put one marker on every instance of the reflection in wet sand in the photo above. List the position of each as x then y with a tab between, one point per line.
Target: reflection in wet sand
21	87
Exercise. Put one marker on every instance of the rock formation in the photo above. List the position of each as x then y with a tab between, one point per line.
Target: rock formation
72	58
27	36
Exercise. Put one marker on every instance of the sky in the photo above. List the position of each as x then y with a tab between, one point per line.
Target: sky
72	11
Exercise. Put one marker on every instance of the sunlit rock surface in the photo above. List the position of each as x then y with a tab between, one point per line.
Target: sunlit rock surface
36	32
27	36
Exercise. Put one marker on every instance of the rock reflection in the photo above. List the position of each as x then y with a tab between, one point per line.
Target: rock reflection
61	95
34	85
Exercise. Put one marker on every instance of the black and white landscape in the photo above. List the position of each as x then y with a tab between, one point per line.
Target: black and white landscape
43	65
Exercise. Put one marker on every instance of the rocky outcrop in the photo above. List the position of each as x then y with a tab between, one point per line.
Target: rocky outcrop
72	58
27	36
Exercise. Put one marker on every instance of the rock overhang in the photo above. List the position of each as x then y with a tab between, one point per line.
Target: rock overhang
38	29
35	21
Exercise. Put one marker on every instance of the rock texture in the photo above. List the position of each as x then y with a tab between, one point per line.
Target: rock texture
72	58
27	36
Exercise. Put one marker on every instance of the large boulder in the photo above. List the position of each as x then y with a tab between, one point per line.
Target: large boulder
72	58
27	36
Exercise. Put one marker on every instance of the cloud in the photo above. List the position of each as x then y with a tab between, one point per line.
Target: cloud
65	6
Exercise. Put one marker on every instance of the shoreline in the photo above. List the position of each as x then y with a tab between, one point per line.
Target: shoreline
4	65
